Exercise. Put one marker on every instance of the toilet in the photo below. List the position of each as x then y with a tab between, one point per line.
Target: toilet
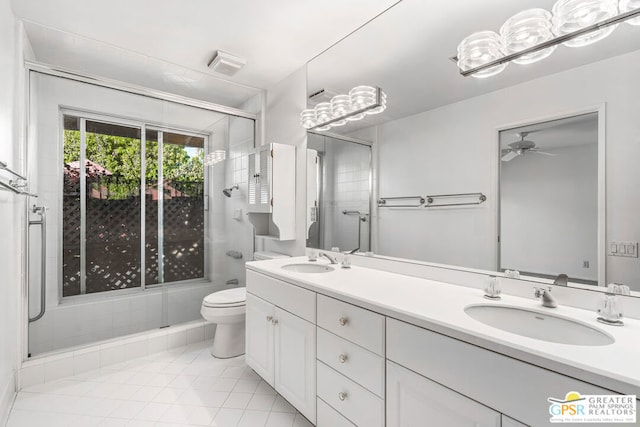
227	310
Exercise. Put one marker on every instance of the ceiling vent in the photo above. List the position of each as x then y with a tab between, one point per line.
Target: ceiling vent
226	63
322	95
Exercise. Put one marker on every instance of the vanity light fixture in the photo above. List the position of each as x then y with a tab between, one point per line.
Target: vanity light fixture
214	157
534	34
360	102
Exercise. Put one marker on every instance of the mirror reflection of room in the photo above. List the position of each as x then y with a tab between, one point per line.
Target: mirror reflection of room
342	191
549	199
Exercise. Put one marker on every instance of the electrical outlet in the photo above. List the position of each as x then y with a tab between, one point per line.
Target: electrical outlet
623	249
585	264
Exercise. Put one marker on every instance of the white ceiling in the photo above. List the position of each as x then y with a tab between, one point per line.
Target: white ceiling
167	44
406	52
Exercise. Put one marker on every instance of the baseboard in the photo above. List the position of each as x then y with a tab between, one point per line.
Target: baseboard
7	394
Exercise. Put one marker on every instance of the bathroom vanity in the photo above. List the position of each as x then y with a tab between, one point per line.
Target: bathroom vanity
367	347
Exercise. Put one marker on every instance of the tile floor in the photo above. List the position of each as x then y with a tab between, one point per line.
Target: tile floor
181	387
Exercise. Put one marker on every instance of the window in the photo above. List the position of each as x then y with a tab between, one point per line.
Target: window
123	216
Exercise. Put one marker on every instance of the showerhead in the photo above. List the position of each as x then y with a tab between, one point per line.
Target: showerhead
227	191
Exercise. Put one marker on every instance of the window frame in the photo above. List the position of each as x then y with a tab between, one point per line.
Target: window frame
84	116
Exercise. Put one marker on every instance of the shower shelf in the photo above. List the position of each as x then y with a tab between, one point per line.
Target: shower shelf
18	186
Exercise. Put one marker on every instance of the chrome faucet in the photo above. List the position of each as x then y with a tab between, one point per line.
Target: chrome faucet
561	280
545	297
329	257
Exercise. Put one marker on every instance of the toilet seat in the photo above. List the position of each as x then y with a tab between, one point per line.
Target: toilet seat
236	297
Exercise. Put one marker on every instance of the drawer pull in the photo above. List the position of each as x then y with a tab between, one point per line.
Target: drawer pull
342	358
342	395
343	321
270	319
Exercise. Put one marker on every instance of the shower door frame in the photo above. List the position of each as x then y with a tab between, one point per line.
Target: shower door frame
78	76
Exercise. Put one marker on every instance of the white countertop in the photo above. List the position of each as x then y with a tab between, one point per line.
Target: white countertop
439	306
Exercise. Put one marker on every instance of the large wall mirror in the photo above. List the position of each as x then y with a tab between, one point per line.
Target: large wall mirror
443	133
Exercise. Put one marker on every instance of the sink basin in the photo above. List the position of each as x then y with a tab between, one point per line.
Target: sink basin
538	325
307	268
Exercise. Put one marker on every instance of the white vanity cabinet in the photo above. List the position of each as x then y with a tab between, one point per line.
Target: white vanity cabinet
508	386
412	399
281	339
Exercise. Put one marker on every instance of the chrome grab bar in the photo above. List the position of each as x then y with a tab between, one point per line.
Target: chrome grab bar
383	202
42	222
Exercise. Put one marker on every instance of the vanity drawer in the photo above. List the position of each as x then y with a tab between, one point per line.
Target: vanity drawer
355	324
362	366
329	417
354	402
294	299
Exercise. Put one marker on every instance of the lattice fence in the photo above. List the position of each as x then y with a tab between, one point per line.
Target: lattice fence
114	234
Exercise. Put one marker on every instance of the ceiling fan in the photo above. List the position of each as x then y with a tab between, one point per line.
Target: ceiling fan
521	147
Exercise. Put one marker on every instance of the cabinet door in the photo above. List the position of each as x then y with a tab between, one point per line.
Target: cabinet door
295	356
260	338
412	399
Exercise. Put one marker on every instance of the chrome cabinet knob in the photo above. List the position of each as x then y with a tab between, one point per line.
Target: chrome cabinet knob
269	318
274	321
343	321
342	358
342	395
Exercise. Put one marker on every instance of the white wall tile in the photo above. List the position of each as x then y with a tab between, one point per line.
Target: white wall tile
157	344
59	368
176	339
135	348
86	361
32	375
195	335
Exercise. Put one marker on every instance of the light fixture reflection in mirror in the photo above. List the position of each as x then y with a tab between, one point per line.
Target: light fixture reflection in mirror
214	157
361	101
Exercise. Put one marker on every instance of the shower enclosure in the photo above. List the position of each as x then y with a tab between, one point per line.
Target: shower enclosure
343	194
137	225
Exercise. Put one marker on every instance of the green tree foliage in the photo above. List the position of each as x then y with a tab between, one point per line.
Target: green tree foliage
122	157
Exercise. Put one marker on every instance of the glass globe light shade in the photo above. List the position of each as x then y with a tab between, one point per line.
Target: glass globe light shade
527	29
323	128
478	49
362	97
308	118
573	15
341	105
629	5
323	112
